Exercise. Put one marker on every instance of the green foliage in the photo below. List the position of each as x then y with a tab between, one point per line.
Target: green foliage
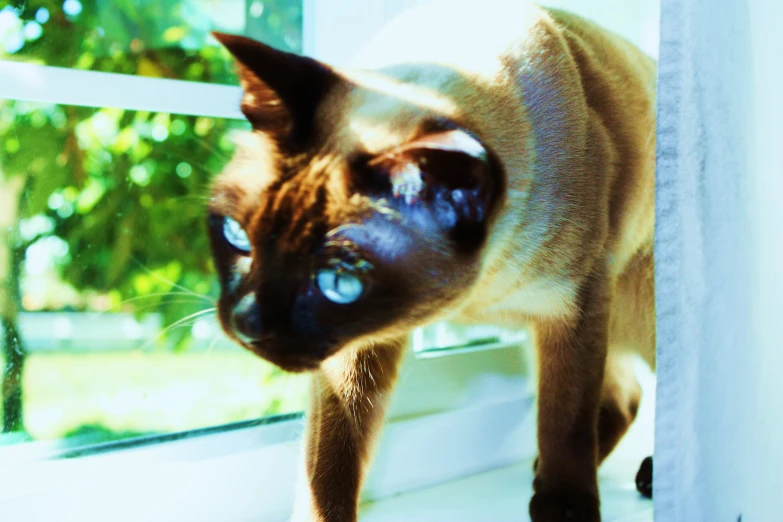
122	191
162	38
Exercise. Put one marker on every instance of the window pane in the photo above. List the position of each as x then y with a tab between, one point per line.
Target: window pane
158	38
447	335
107	304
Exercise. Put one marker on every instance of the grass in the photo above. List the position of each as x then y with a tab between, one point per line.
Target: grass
139	392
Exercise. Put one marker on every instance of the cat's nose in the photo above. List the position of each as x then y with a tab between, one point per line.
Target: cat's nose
246	318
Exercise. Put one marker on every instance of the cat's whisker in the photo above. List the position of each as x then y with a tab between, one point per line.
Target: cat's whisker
212	150
200	143
197	197
164	280
179	322
171	301
263	338
202	298
112	309
215	339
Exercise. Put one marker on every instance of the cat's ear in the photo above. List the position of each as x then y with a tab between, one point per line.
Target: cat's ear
282	90
451	173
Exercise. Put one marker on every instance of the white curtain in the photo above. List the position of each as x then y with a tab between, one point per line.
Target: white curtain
719	262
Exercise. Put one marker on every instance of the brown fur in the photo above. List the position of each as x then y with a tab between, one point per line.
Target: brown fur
552	226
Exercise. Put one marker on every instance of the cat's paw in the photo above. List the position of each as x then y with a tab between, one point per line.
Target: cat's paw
644	478
560	505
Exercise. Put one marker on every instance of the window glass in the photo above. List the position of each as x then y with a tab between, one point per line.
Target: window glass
158	38
107	303
446	335
108	324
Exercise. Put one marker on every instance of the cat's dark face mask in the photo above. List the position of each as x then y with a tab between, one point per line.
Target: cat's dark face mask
321	246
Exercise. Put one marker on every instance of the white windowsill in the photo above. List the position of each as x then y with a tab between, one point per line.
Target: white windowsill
454	415
464	452
500	495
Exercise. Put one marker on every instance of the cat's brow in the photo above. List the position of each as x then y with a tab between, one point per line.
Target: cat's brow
439	124
226	200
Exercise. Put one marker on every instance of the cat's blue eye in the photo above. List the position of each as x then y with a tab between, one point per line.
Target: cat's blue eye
339	287
236	235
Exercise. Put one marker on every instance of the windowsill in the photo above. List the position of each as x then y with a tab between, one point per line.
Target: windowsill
501	496
467	458
453	415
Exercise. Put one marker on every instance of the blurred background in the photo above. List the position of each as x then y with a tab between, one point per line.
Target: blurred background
107	291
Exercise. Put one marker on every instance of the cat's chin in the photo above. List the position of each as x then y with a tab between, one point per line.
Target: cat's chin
298	366
290	364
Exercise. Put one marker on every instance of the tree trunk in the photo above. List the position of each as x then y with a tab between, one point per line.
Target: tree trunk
14	354
11	257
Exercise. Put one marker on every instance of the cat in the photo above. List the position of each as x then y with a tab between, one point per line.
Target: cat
492	165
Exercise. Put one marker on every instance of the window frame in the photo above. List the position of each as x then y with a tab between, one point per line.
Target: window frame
457	412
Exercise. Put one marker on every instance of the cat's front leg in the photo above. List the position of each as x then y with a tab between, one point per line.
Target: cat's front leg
348	403
572	355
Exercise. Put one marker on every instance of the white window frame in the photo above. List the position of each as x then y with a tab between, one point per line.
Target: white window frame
455	413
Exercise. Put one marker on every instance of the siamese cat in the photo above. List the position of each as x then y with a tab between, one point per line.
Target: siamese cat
485	165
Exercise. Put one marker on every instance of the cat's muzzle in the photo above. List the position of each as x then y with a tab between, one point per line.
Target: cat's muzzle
290	355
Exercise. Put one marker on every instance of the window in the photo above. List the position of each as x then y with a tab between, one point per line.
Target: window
108	324
161	39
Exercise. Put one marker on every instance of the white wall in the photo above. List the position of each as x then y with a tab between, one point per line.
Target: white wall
765	462
719	287
356	21
636	20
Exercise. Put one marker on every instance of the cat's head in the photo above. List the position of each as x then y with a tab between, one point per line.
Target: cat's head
356	210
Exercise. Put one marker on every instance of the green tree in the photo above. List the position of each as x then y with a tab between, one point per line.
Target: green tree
10	301
120	192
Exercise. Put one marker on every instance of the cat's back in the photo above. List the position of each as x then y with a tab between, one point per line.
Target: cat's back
618	83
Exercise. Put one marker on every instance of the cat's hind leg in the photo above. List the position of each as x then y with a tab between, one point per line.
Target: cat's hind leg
620	398
644	478
632	326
